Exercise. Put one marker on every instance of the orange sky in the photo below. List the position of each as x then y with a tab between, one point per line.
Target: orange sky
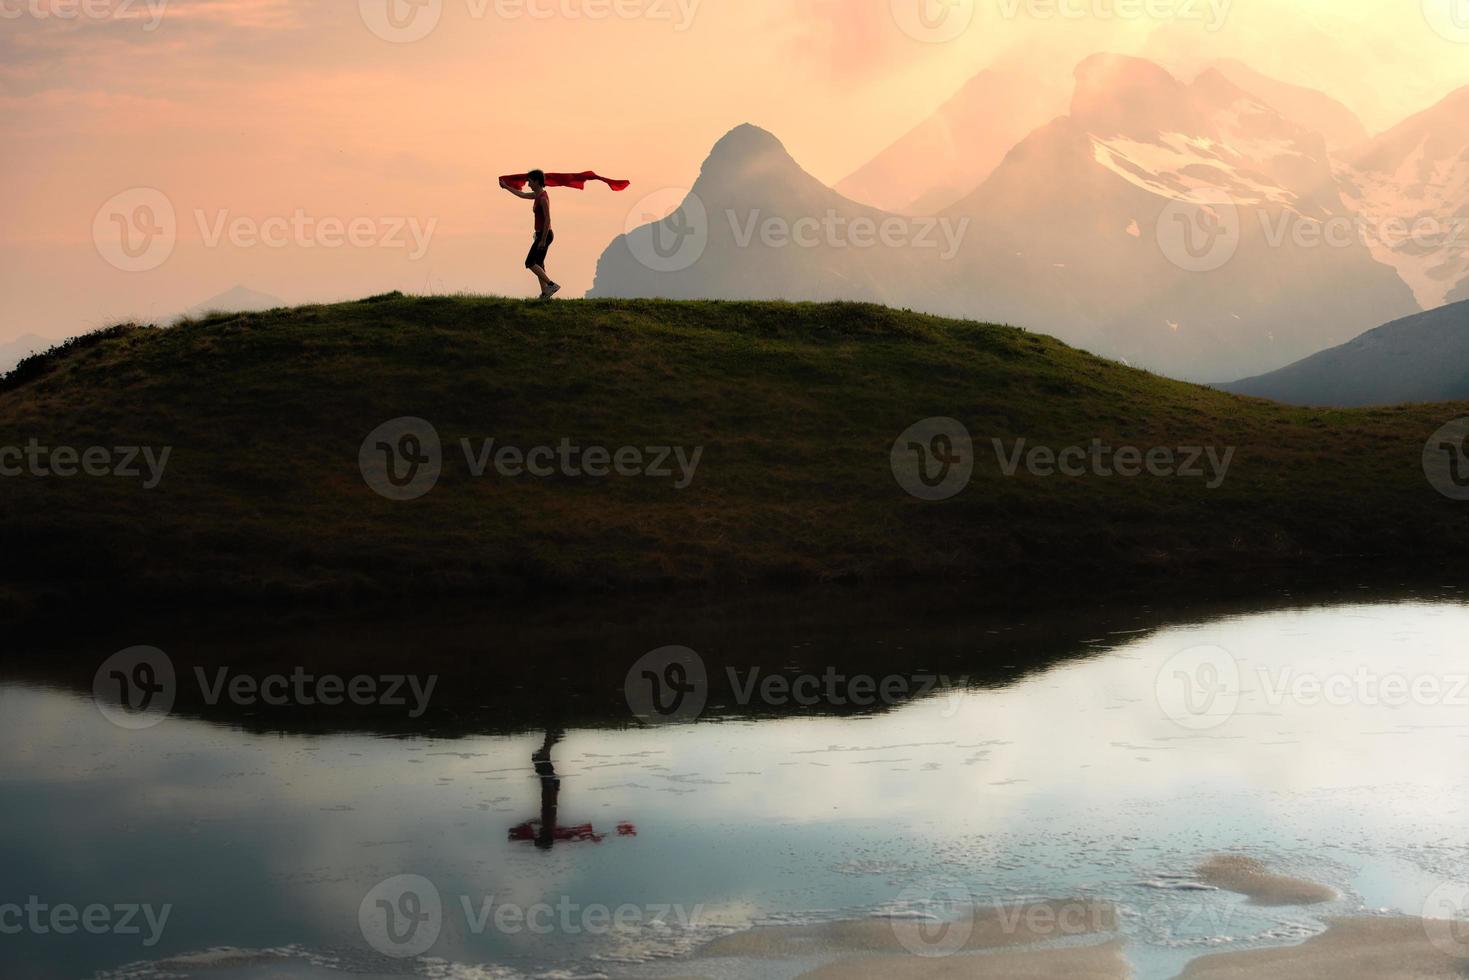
259	109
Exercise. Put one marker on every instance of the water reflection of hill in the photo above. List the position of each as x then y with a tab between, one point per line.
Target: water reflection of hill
508	671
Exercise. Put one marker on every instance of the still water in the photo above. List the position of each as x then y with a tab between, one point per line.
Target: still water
1327	741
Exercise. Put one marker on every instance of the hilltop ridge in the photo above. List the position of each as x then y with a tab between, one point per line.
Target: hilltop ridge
778	426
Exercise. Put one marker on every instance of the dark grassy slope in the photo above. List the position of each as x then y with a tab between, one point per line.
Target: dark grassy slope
796	406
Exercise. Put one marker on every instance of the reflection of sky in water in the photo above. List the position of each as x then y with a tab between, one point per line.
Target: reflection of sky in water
1071	781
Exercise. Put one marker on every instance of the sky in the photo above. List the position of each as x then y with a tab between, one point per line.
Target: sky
319	151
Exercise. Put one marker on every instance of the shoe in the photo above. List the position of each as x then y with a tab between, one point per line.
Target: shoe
550	291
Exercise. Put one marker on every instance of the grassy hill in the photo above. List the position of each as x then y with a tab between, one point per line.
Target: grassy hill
796	408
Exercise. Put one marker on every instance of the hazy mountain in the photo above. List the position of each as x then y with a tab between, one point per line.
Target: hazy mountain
1411	187
1303	106
1090	229
951	152
736	236
240	299
1163	222
1367	55
13	351
1422	358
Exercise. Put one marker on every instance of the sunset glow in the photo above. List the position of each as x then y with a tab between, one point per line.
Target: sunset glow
263	108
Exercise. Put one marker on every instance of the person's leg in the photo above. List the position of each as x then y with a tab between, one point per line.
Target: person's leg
535	262
548	286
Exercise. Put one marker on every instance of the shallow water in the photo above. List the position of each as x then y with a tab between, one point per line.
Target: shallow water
1327	741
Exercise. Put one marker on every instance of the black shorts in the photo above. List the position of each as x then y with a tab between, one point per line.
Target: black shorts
537	255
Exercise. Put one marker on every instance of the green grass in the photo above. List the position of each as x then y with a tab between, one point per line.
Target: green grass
795	406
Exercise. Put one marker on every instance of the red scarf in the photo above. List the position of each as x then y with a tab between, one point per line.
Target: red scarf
575	181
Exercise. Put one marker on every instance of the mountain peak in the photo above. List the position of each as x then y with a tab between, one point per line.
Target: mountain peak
239	299
745	157
1106	67
1118	94
745	141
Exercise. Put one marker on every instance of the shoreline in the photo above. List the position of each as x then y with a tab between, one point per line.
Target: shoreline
31	614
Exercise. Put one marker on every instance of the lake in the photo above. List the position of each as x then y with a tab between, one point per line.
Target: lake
626	794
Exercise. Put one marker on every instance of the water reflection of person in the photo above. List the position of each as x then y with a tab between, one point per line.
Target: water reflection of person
545	832
550	788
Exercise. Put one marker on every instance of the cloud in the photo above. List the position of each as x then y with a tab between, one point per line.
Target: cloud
848	40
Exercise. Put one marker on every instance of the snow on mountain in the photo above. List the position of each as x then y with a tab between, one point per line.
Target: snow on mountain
1172	224
1411	188
1307	107
1164	222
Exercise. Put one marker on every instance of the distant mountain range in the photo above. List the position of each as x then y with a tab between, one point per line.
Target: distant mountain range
1166	223
1421	358
13	351
949	154
1337	124
1411	188
1157	223
239	299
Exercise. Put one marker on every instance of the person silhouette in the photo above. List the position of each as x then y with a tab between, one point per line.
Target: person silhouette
535	260
550	788
544	832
